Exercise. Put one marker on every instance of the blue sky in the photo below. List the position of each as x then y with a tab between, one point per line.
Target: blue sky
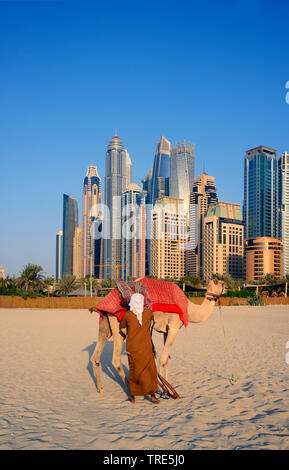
213	73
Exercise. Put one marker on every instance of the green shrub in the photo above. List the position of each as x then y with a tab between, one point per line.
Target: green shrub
243	293
256	300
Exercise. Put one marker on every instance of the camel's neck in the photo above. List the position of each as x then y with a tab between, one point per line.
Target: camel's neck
200	313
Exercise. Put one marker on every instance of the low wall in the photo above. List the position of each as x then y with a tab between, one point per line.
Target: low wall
225	301
7	301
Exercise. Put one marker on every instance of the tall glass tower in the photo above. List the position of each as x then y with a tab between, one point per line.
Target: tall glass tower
59	244
182	168
91	200
161	170
283	176
133	233
118	175
147	186
260	193
70	222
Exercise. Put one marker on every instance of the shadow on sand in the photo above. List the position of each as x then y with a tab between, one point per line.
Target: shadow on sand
106	364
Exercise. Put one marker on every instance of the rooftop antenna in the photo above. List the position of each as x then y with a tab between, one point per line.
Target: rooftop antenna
115	132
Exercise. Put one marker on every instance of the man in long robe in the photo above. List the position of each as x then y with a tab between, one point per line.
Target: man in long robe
142	367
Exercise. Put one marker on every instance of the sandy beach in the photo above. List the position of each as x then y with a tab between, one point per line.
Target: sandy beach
48	396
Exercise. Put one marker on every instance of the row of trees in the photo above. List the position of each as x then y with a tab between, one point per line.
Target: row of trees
32	282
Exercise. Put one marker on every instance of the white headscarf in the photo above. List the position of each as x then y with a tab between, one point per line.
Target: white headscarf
137	305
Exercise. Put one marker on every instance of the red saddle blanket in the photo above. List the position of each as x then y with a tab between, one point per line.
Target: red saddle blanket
164	295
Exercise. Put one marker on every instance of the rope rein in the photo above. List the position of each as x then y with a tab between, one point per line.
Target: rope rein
216	298
232	378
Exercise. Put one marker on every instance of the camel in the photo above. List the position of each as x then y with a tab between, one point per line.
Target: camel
164	322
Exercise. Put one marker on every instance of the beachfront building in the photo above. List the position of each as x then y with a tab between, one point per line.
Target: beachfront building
118	174
133	233
223	241
161	170
283	177
78	253
59	246
263	256
182	169
70	222
2	273
203	195
260	212
91	200
168	238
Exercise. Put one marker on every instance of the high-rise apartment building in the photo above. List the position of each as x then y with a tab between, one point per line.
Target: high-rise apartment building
203	195
168	238
223	241
161	170
182	168
70	222
133	233
263	256
91	200
78	253
59	248
260	210
283	233
118	175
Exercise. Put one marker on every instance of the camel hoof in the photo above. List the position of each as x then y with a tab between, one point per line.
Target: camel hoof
100	390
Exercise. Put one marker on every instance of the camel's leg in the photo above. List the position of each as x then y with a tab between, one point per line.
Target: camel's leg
103	335
116	359
163	364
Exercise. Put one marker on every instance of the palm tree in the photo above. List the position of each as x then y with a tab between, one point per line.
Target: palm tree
88	281
193	281
31	278
48	283
270	279
107	283
65	285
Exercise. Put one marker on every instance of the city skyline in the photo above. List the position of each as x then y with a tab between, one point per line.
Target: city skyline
65	100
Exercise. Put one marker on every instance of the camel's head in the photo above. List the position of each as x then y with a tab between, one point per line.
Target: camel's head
216	287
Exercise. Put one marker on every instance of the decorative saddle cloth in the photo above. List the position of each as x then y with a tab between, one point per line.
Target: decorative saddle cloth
161	296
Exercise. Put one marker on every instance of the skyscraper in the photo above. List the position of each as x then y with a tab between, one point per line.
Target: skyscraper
182	168
147	186
59	247
91	200
78	253
168	238
223	246
260	193
203	195
117	177
283	232
161	170
147	191
70	222
133	235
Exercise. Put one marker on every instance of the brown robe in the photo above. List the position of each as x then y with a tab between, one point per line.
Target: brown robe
142	367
